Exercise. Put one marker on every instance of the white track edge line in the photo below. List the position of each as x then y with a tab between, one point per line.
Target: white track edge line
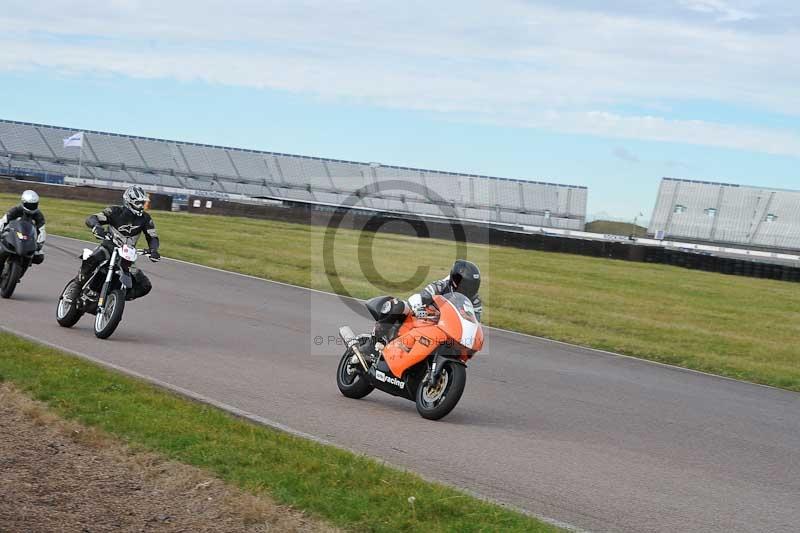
268	422
511	332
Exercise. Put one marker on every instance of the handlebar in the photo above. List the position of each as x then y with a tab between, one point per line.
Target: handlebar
108	237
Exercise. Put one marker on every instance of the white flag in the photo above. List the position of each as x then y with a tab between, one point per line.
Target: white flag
74	140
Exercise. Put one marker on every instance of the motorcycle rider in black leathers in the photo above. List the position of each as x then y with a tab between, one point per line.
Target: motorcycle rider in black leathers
130	220
28	209
464	278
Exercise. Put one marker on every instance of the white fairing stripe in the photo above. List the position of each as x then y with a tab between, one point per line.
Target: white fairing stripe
469	330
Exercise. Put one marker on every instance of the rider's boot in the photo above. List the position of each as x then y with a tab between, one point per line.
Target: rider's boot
381	335
85	272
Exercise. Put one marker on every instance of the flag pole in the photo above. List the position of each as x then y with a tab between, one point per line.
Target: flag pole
80	160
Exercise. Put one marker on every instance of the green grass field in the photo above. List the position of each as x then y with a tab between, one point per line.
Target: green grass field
733	326
347	490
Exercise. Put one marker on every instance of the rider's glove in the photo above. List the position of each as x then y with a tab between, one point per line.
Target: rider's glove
417	307
99	232
155	257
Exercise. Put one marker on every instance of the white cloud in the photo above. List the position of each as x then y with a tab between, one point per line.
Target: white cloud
513	62
724	10
601	123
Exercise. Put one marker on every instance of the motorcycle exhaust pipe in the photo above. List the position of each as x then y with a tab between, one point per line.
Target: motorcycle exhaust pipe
351	341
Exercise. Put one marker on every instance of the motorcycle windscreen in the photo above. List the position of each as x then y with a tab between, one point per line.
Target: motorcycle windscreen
413	345
21	236
458	321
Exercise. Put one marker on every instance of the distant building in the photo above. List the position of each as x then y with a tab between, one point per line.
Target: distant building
220	170
726	213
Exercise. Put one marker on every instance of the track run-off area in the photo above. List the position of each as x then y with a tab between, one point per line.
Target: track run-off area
602	442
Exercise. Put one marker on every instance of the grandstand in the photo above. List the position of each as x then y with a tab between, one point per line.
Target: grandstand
236	172
725	213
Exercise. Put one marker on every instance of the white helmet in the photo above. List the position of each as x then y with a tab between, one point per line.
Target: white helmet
134	199
30	201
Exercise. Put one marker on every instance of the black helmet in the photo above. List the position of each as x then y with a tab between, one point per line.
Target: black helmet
465	277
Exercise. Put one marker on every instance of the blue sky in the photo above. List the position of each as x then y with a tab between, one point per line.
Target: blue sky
612	95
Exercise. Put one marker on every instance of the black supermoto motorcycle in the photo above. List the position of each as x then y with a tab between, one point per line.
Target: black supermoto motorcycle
107	305
20	244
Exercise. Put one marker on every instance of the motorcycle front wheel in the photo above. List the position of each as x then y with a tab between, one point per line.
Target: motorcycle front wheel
108	318
9	278
350	377
67	312
436	400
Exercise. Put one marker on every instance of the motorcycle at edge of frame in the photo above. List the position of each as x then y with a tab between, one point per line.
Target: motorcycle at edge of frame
20	242
425	361
107	305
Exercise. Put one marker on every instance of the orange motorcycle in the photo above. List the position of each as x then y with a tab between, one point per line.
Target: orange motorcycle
424	362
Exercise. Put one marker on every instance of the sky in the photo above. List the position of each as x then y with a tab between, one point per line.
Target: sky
611	95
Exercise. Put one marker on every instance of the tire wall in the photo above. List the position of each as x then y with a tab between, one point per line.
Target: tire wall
158	202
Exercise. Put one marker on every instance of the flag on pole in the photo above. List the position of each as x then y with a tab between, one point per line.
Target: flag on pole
74	140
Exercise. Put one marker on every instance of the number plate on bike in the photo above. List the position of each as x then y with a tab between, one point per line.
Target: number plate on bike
128	253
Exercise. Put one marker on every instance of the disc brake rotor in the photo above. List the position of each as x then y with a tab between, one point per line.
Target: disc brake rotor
432	393
352	365
105	316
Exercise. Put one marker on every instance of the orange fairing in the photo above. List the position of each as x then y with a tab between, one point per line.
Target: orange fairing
417	338
458	321
415	342
449	319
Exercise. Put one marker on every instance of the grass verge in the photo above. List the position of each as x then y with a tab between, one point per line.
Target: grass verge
738	327
348	491
60	475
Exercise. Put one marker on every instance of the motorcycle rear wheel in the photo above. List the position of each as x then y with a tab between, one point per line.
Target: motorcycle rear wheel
107	320
436	400
67	312
350	377
12	272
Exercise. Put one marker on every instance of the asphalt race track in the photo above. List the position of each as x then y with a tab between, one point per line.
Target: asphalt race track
603	442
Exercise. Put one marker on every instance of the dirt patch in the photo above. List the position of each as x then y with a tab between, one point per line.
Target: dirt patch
56	475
